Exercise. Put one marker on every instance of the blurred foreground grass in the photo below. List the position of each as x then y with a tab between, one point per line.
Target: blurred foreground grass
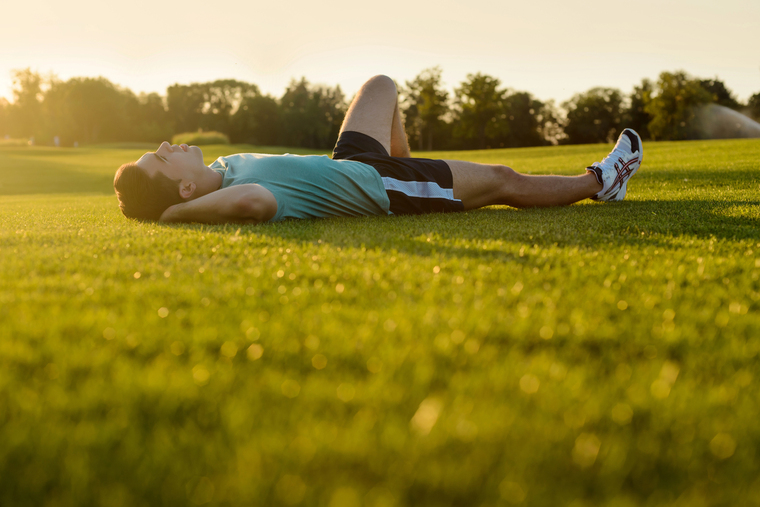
600	354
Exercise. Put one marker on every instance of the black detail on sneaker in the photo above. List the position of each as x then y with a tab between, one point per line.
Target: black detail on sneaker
597	172
633	138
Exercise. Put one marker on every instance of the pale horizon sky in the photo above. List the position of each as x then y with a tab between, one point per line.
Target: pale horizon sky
549	48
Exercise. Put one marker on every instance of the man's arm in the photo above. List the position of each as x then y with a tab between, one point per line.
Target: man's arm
249	203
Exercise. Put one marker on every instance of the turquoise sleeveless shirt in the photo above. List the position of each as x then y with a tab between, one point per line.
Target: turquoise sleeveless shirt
309	186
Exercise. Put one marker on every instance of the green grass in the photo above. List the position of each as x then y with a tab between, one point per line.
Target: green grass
599	354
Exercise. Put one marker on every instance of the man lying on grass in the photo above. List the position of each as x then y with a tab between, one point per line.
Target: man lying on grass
370	173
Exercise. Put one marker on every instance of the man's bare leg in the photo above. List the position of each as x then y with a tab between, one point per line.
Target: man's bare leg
399	142
374	112
478	185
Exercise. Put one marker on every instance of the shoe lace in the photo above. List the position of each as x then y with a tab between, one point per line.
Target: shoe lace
615	164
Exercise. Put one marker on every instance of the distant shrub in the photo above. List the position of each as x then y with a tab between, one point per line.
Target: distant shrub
200	138
14	142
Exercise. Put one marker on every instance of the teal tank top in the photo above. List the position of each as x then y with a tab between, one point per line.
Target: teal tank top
309	186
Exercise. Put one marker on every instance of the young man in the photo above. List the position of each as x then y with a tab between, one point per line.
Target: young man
370	173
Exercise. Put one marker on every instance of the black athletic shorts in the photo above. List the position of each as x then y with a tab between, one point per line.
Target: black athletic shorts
414	185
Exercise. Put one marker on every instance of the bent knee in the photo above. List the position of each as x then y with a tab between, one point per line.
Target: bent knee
381	81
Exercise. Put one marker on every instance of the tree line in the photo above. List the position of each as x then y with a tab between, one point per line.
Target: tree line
480	113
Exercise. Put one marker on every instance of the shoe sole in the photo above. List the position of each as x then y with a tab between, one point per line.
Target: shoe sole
640	145
624	187
620	194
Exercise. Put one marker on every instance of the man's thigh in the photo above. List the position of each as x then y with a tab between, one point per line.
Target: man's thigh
371	111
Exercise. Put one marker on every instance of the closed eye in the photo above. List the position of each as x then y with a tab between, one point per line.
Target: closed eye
162	159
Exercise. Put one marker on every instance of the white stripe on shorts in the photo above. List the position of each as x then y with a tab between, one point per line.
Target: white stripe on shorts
427	189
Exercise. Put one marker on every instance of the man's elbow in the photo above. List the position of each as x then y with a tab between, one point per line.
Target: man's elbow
252	210
244	208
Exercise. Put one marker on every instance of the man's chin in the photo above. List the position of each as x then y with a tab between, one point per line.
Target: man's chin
198	150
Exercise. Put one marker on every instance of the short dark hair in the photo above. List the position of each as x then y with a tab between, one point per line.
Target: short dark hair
142	197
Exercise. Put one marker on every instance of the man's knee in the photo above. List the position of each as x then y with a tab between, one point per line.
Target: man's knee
381	83
506	177
504	174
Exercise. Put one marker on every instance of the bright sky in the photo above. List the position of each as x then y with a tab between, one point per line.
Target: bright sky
550	48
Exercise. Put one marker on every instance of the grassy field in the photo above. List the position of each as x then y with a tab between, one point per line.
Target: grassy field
599	354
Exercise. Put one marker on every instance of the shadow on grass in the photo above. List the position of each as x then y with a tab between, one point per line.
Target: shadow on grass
687	177
472	234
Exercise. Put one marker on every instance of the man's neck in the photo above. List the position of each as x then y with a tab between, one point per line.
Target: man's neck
209	182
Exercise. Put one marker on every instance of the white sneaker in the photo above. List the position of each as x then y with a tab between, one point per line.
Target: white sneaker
617	168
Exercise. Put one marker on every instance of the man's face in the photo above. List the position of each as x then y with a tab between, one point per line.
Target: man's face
177	162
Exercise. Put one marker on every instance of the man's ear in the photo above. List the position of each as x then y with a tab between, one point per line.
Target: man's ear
186	189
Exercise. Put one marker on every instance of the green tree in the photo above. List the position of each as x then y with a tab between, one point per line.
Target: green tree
185	105
297	113
753	106
719	93
4	125
424	104
91	110
674	107
257	121
479	112
311	114
207	106
153	123
525	116
593	116
25	114
330	105
636	116
222	99
550	123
